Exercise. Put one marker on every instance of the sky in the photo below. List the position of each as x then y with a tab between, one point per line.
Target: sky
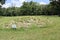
18	3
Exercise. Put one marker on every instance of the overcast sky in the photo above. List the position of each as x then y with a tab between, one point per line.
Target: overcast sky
18	3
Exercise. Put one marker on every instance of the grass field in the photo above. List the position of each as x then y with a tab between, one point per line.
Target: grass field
30	28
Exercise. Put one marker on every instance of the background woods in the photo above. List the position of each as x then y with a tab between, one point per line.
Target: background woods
32	8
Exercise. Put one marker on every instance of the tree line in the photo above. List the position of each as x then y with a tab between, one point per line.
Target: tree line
32	8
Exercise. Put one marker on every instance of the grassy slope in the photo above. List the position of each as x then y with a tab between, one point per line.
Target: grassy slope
49	31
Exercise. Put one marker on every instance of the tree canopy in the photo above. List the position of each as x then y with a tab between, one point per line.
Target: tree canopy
32	8
55	6
2	1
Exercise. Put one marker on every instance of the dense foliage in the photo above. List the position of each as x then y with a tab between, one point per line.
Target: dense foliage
32	8
2	1
55	6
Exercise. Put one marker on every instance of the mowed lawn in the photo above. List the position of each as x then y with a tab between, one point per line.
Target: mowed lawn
30	28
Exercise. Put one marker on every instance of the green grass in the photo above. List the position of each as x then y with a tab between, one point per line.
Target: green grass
30	28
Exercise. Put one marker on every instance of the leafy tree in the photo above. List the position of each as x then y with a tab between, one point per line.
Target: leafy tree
30	8
55	6
2	1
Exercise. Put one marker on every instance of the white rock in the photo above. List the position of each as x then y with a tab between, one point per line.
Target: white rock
13	25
